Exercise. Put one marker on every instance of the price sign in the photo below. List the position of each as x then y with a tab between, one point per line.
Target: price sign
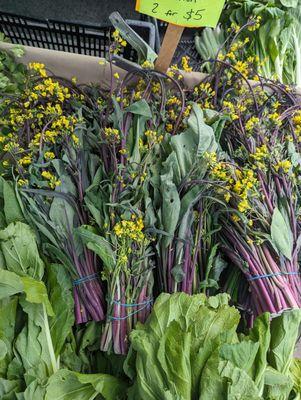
187	13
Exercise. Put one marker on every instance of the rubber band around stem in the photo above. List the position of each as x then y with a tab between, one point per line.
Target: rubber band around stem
85	279
144	303
256	277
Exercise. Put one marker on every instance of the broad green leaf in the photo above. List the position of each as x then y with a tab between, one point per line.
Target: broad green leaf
261	334
99	245
281	234
10	284
289	3
36	293
8	325
140	107
284	334
19	248
241	355
279	385
205	133
68	385
296	374
60	295
8	388
171	205
35	391
174	358
3	350
240	385
12	209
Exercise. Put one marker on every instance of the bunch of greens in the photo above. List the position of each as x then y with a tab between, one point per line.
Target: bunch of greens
255	182
12	74
273	31
43	153
190	349
41	356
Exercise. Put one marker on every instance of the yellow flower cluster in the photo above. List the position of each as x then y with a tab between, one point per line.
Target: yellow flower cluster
297	124
39	113
130	229
119	42
260	155
239	183
275	118
53	182
204	90
284	166
147	65
251	123
52	88
255	24
185	64
242	67
153	137
112	134
39	68
49	155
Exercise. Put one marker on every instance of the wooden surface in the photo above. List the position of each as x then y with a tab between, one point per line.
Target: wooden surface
170	43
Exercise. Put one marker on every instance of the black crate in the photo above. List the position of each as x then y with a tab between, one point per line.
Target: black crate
76	38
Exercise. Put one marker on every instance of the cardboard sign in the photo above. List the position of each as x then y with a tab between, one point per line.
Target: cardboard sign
188	13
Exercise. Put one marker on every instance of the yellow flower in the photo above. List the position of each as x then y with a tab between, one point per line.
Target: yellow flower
22	182
47	175
250	124
75	138
116	75
26	160
243	206
185	64
49	155
235	218
132	230
285	166
227	197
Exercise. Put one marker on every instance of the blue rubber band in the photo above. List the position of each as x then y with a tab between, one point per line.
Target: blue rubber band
85	279
130	305
256	277
130	314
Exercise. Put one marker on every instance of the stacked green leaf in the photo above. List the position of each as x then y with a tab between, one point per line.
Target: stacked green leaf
190	349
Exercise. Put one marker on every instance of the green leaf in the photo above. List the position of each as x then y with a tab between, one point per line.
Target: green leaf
19	248
296	374
279	385
10	284
241	355
281	234
36	293
171	206
68	385
205	133
174	358
60	294
240	385
261	334
284	334
289	3
99	245
12	209
8	388
140	107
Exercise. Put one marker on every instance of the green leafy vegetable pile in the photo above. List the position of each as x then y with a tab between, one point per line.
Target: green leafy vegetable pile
125	216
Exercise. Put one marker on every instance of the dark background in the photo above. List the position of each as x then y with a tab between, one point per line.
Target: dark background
82	11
